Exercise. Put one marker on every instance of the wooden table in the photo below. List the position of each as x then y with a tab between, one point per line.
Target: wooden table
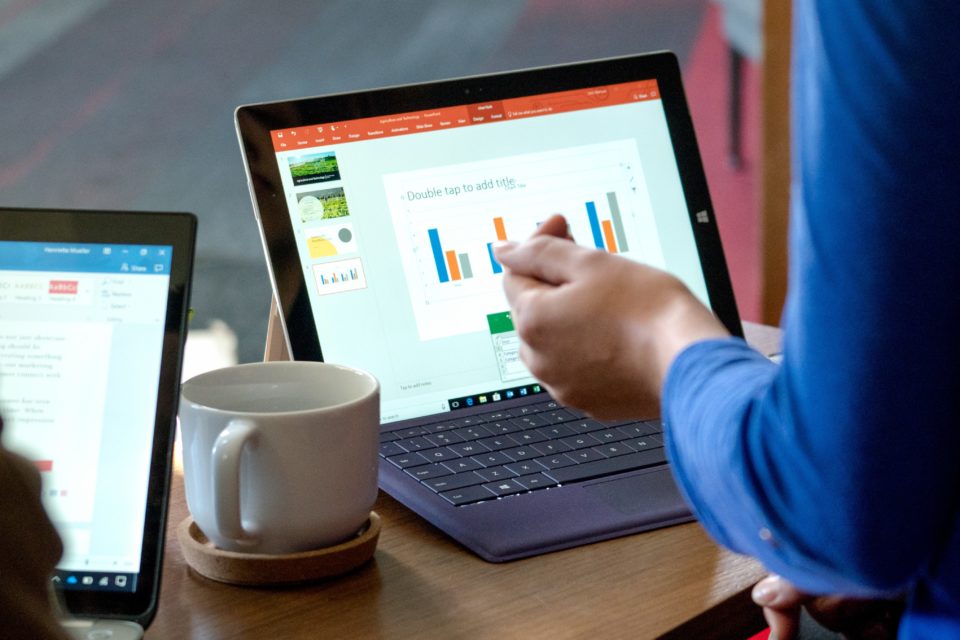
674	582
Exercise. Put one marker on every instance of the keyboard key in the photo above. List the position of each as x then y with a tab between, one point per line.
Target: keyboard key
608	466
613	450
501	427
505	487
525	468
528	437
415	444
549	405
499	442
443	438
388	449
529	422
494	416
460	465
557	431
389	436
407	460
580	442
649	442
456	481
584	455
474	433
526	410
440	427
492	459
495	473
550	448
428	471
535	481
637	430
522	453
439	455
467	495
655	424
555	462
469	448
617	423
469	421
556	417
411	432
609	435
586	426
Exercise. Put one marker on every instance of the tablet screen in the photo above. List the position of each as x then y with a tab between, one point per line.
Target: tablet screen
81	335
92	327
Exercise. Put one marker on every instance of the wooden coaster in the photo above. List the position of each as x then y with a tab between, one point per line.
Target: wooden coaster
263	569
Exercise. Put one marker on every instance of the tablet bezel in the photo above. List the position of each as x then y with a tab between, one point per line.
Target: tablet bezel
137	228
254	123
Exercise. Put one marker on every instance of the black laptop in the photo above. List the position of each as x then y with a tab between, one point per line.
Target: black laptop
93	309
378	211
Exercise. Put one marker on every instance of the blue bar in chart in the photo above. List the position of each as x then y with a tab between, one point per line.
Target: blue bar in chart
438	255
497	268
595	225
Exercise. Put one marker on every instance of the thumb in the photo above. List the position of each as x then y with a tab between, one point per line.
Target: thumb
774	591
781	603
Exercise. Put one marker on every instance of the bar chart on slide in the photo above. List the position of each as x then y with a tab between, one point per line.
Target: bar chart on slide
447	220
339	276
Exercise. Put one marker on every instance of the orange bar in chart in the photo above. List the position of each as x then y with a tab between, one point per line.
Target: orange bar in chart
452	265
608	236
501	231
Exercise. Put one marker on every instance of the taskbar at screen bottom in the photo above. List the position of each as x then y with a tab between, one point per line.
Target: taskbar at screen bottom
95	581
495	396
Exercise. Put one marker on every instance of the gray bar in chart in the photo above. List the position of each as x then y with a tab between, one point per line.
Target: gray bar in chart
617	221
465	266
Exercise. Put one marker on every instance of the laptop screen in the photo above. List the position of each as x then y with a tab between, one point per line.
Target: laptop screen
394	217
81	340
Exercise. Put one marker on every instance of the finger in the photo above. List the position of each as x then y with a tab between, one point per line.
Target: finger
781	603
556	225
773	591
543	257
784	623
516	286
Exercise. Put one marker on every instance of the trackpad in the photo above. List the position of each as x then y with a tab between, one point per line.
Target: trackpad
649	492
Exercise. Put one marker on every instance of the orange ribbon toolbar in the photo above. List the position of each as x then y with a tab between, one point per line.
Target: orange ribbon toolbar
463	116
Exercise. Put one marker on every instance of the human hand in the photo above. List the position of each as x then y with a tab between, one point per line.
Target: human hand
598	330
854	618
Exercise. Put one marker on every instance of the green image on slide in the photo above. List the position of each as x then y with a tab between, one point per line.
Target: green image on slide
322	205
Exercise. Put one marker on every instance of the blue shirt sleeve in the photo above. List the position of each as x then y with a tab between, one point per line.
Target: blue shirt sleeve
838	469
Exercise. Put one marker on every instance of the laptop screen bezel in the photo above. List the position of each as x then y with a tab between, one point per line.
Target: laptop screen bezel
255	122
177	230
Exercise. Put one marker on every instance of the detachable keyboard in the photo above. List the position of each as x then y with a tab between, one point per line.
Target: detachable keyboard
482	457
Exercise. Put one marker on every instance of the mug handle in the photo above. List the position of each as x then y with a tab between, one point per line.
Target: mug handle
226	478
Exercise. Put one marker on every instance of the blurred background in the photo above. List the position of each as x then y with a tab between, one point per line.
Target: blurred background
129	105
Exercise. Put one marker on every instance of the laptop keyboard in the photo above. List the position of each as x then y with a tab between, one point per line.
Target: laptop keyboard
491	455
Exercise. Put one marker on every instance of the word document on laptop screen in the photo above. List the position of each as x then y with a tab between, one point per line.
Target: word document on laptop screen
395	218
81	332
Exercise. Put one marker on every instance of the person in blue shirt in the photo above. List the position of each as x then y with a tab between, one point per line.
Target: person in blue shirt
838	468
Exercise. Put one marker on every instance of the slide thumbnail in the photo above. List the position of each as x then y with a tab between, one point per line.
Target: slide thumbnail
322	205
313	168
332	240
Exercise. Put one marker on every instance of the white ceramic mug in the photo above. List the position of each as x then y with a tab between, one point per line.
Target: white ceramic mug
280	457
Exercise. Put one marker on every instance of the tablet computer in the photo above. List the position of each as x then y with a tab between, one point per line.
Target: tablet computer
93	312
378	211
